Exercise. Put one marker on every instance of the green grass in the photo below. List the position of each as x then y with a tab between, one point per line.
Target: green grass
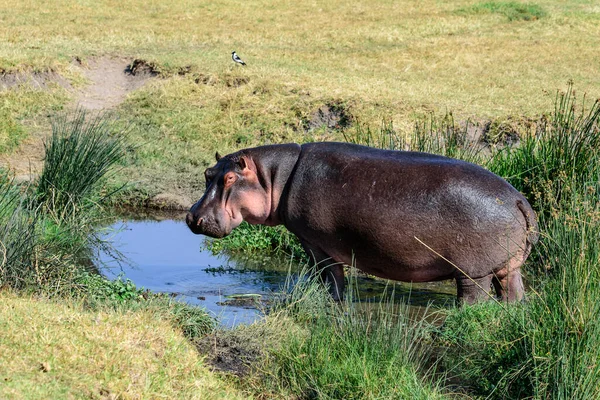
348	350
59	349
514	11
82	150
96	292
22	109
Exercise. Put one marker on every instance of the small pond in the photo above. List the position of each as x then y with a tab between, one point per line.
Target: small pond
164	256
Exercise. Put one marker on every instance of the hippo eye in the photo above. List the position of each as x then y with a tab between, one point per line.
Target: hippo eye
229	179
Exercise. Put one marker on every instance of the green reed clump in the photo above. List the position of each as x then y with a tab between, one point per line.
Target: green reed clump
349	350
430	135
82	150
17	235
564	326
551	165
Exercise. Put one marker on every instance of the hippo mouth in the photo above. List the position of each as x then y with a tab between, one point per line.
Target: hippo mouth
206	227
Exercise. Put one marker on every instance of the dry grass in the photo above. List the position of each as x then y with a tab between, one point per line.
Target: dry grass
410	55
50	350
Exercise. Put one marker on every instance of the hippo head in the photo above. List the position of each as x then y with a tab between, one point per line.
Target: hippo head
233	194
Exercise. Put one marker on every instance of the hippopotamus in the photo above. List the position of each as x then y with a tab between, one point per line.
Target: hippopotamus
399	215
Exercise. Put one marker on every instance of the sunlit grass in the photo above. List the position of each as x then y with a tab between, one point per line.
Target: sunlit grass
59	350
346	350
408	56
380	60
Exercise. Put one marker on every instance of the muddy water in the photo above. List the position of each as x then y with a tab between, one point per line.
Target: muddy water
164	256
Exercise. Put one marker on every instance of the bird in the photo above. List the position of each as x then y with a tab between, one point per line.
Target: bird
237	59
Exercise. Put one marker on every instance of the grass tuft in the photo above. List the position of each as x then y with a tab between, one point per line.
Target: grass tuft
349	350
512	10
80	153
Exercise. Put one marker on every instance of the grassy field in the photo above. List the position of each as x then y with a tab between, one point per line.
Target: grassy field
51	349
374	61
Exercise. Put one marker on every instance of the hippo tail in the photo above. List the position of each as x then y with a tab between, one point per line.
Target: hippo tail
533	234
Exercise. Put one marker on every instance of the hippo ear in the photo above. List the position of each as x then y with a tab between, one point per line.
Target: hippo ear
218	156
243	162
246	162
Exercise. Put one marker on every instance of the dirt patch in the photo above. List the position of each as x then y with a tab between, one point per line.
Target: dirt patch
27	160
111	80
228	351
35	80
500	133
236	81
508	131
333	115
227	80
205	80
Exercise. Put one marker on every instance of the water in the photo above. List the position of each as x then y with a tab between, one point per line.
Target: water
164	256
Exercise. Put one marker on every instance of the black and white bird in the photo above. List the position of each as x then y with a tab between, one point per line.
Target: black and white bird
237	59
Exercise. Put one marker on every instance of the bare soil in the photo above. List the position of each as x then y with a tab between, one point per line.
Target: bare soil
111	80
227	352
334	115
37	80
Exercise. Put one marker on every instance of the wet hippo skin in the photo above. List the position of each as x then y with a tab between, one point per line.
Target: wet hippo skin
406	216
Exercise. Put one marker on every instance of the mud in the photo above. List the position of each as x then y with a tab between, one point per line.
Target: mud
332	116
35	80
229	352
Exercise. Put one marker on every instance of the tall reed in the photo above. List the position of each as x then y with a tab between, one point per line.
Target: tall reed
17	235
82	150
545	167
351	350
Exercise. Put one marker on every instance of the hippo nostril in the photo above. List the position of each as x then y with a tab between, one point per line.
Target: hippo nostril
199	221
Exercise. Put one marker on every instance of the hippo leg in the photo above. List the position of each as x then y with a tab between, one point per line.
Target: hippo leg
509	287
470	290
330	271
